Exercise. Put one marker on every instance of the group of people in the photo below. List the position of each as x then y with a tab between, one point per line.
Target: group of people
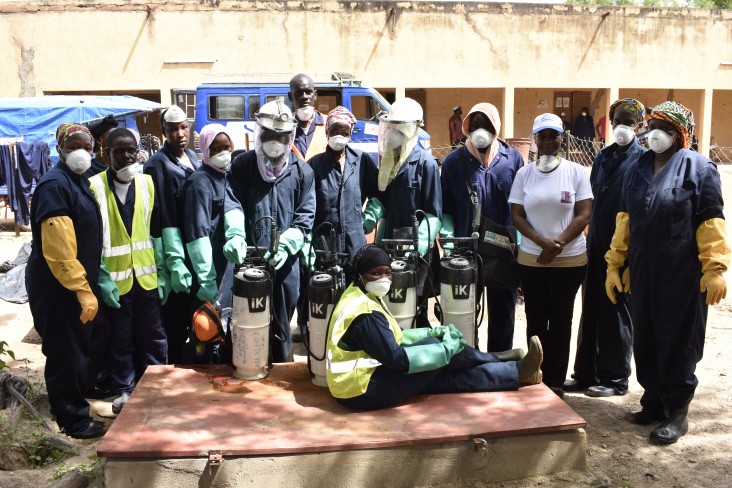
125	258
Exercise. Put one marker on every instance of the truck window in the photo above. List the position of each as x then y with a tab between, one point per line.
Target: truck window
253	106
327	100
226	107
366	108
281	98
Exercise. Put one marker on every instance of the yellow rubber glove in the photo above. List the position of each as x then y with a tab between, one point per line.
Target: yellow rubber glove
714	254
626	281
616	255
59	250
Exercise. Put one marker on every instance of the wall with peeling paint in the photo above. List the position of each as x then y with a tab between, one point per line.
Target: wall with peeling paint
114	45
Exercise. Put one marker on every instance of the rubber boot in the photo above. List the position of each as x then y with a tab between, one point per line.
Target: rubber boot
529	368
674	427
646	416
511	355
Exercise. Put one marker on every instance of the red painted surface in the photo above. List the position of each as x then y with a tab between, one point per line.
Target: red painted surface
186	411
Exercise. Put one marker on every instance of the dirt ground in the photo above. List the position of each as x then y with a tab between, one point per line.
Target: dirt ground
618	453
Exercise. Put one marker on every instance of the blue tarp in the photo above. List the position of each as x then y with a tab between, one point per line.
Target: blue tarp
36	118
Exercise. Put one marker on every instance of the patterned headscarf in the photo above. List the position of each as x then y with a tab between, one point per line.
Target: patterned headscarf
206	138
340	115
67	129
631	105
681	117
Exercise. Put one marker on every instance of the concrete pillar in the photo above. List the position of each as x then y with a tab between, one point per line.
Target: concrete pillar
613	93
703	120
507	112
400	92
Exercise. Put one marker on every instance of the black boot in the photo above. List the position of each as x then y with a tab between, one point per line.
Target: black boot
646	416
673	428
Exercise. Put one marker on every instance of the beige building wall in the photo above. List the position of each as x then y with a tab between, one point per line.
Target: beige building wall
58	45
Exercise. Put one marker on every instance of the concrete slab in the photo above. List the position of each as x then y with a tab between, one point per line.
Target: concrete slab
285	428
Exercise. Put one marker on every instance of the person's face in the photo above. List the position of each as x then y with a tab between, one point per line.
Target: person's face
177	134
377	273
270	135
624	117
548	142
78	140
339	129
302	93
668	128
103	147
220	143
122	152
479	120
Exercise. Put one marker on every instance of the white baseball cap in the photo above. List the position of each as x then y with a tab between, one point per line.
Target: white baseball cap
174	114
548	121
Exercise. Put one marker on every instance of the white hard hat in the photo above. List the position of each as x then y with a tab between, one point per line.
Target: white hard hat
174	114
405	110
276	116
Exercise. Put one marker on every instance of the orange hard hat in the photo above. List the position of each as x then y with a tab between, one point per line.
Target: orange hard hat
207	324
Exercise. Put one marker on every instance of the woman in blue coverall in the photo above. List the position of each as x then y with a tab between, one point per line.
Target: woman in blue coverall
670	232
271	181
490	165
371	363
213	225
61	278
344	178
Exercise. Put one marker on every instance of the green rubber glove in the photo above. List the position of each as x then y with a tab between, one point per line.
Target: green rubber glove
235	248
447	231
428	230
180	277
307	253
372	213
110	292
291	242
428	357
163	273
201	256
411	336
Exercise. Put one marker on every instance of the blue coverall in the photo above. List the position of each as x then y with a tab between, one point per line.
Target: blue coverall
493	185
668	310
290	199
605	337
168	176
65	340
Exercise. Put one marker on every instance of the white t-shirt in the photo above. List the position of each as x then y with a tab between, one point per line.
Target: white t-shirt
548	199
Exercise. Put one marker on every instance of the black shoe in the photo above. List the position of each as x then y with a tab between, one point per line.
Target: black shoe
672	429
604	391
120	402
92	430
574	385
646	416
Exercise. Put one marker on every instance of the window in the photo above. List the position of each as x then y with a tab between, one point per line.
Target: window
226	107
366	108
253	106
186	100
280	98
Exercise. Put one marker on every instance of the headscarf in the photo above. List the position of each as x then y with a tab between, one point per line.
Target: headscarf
67	129
370	257
491	112
206	138
100	126
340	115
681	117
631	105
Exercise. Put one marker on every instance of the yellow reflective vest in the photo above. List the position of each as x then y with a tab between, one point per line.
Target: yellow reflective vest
125	255
348	372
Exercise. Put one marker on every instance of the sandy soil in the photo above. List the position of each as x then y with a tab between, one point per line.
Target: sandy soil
618	453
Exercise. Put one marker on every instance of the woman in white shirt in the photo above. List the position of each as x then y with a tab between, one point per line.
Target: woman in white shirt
551	205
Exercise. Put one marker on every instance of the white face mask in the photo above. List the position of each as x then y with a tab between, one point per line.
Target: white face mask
337	143
378	288
623	135
481	138
584	114
128	172
305	113
394	138
659	141
273	149
78	161
547	163
221	160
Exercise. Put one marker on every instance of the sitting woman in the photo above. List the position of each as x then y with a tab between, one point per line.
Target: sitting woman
371	363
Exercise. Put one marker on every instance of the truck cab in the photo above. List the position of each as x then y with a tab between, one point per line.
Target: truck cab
234	104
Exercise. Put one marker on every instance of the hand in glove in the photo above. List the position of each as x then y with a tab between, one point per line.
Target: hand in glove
89	305
447	231
626	281
411	336
428	230
715	286
372	213
291	242
616	255
612	283
201	256
207	291
164	287
235	249
108	288
714	254
180	277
